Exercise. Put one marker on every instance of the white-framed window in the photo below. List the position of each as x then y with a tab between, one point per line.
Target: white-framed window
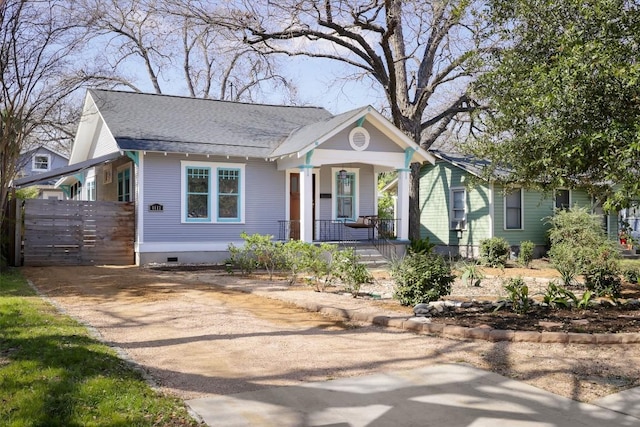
91	189
562	199
124	183
41	162
513	210
212	192
345	184
458	209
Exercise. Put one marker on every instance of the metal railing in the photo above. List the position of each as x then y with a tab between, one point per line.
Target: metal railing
384	230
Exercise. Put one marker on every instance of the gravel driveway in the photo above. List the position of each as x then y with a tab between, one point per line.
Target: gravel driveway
201	334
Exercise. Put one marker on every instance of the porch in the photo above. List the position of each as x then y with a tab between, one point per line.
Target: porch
367	230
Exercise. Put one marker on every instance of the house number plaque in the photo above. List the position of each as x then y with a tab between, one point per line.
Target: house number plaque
156	207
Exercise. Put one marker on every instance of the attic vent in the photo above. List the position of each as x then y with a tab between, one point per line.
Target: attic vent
359	138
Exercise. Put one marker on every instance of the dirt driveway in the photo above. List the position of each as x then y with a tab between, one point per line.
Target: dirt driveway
200	334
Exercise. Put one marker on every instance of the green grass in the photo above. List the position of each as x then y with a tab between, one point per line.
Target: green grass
52	373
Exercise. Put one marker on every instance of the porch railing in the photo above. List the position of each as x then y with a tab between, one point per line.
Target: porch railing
384	230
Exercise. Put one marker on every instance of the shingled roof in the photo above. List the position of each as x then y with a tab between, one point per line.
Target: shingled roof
150	122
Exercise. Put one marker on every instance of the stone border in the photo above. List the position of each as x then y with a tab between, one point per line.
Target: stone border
420	326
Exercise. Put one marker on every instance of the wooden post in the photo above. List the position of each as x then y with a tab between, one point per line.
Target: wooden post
17	233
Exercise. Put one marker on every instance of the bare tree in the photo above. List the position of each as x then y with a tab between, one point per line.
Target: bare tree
174	52
38	44
421	53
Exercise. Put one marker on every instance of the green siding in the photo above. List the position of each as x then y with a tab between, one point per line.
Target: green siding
435	185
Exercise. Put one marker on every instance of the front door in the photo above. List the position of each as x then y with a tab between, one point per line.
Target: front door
294	205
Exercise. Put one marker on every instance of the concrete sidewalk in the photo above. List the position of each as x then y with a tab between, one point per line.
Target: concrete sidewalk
441	395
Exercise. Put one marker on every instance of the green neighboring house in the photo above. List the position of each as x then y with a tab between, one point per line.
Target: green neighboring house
458	211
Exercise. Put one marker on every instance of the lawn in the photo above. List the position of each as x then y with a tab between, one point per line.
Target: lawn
52	372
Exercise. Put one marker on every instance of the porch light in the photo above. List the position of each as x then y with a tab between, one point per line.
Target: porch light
342	174
459	234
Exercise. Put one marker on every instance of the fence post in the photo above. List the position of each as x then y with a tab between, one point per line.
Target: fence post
17	232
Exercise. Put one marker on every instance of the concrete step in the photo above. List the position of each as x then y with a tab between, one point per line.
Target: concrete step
371	257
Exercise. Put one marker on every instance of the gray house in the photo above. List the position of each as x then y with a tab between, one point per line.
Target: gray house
40	160
201	172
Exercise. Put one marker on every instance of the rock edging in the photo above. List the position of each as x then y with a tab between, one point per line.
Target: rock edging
423	325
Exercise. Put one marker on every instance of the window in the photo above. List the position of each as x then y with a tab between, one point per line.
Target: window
212	187
345	195
91	189
563	199
513	210
228	194
41	162
198	188
75	191
458	213
124	185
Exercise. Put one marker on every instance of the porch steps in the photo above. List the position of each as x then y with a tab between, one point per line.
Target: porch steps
631	253
371	257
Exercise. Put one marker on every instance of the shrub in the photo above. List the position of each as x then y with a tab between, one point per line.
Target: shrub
601	272
579	245
421	278
494	252
317	263
421	246
258	250
350	271
294	258
526	253
631	275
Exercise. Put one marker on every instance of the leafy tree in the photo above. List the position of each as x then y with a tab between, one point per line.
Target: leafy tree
421	54
565	96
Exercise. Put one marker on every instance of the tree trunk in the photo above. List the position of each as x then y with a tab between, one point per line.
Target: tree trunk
414	202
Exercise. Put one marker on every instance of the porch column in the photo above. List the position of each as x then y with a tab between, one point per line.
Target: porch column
306	203
403	203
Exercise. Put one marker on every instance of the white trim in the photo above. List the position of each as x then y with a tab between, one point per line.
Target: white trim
322	157
504	211
33	162
287	189
355	192
140	200
213	191
451	200
492	208
352	138
170	247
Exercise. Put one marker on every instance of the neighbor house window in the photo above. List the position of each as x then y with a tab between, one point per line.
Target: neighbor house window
345	195
41	162
458	209
228	194
212	187
513	210
563	199
124	185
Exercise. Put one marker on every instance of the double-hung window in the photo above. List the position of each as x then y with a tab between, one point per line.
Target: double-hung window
212	192
513	210
458	209
91	189
228	194
41	162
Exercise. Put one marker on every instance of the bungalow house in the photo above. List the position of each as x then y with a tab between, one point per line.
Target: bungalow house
458	210
200	172
40	160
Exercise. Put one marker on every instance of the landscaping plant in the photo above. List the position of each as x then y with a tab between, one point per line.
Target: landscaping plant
525	256
518	295
421	278
350	271
494	252
579	245
471	274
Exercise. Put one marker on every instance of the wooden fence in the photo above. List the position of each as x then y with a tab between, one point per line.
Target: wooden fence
73	232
